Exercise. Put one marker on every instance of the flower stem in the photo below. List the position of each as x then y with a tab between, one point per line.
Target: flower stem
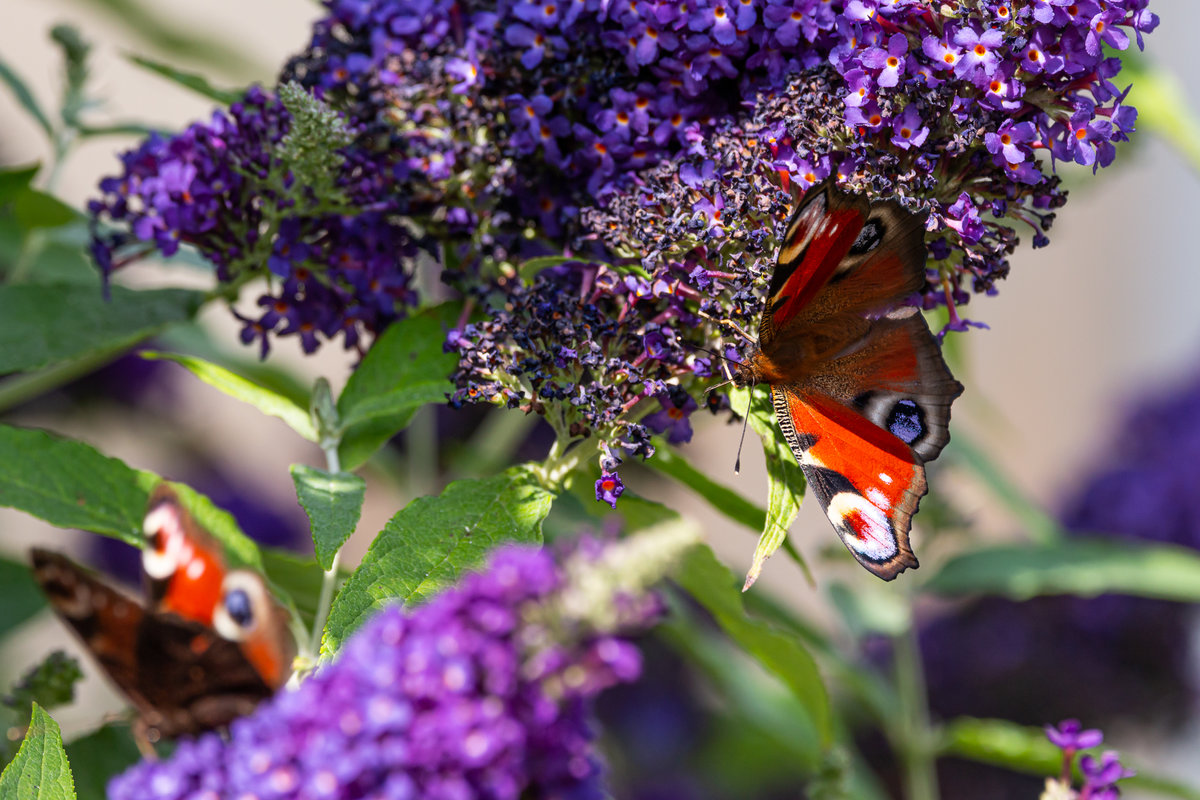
329	579
20	388
913	738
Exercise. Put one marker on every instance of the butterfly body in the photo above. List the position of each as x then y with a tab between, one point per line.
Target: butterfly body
859	386
209	646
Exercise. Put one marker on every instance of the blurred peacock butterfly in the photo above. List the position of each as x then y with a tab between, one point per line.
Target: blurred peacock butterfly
210	644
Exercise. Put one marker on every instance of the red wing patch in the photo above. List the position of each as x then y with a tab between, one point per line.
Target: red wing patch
814	247
867	480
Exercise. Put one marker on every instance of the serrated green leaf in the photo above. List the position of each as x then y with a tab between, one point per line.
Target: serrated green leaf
714	586
188	80
785	480
244	389
40	770
1076	566
22	597
72	485
1024	749
98	756
404	369
672	463
42	324
433	540
333	502
25	98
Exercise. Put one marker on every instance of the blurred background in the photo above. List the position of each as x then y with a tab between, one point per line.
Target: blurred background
1080	333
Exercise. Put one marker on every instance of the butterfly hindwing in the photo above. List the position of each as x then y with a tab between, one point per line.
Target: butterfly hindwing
867	481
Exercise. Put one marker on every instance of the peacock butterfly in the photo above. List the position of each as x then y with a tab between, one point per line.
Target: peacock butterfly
859	385
210	644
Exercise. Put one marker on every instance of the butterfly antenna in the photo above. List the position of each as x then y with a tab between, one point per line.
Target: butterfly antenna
716	386
737	464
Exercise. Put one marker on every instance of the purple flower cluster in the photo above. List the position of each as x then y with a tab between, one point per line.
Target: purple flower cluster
654	148
1100	776
481	693
222	187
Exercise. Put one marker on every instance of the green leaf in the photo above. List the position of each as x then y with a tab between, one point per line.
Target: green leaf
22	597
188	80
532	266
25	98
40	769
14	180
404	369
671	462
1077	566
333	502
714	586
98	756
34	209
41	324
1024	749
241	388
869	609
433	540
71	485
785	480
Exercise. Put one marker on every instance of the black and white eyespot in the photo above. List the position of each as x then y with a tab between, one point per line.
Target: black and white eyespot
243	607
868	238
166	542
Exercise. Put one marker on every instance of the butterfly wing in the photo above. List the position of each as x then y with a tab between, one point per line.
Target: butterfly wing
193	678
182	563
859	385
862	429
181	676
104	619
842	254
186	575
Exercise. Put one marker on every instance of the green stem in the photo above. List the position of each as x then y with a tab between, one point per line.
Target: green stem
329	580
913	738
16	390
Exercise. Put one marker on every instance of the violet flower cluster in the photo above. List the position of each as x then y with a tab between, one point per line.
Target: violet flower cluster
483	692
650	151
336	257
1100	776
